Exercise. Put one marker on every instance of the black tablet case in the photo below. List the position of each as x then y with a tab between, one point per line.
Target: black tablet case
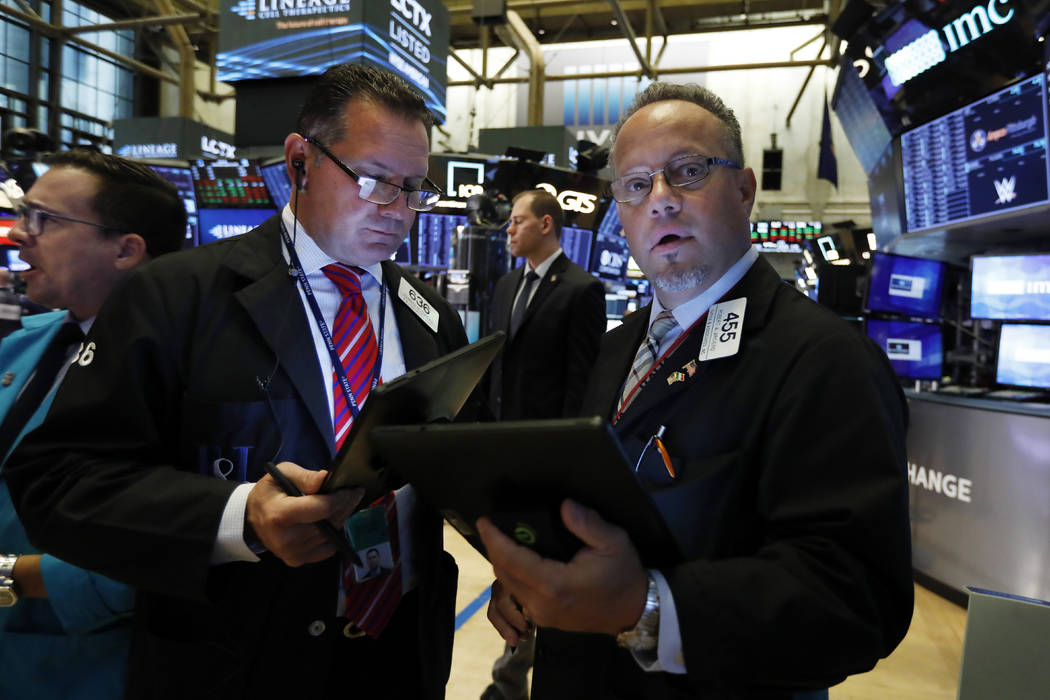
518	473
432	393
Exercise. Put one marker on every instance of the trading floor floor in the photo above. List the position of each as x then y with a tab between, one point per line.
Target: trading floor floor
924	667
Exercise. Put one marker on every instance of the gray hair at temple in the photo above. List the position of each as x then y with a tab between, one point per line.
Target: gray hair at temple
698	95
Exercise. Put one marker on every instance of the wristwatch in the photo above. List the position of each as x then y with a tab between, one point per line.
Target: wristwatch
646	632
8	592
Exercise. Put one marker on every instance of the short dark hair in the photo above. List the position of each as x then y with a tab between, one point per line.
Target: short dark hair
698	95
542	203
131	198
321	115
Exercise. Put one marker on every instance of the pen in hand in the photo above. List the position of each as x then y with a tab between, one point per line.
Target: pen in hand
330	531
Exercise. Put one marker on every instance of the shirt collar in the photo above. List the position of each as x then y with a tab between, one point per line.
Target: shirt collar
541	269
311	257
687	313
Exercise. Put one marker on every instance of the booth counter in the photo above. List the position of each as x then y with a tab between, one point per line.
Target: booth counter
980	493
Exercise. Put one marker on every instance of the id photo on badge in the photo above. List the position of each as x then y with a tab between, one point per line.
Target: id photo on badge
378	561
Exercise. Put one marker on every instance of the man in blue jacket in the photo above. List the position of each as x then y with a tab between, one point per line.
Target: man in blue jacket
86	222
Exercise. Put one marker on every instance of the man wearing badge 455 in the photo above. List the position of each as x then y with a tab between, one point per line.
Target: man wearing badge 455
262	348
769	433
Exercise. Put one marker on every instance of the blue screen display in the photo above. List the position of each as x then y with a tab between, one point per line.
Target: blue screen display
434	239
610	257
217	224
1010	287
611	225
903	285
275	175
1024	355
914	349
576	243
182	178
986	158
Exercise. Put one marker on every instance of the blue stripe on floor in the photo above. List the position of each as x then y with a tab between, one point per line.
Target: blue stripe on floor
475	605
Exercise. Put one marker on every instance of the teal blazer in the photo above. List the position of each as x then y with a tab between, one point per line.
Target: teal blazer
73	644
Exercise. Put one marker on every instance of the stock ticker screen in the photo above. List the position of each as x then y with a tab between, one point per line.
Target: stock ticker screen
226	184
985	158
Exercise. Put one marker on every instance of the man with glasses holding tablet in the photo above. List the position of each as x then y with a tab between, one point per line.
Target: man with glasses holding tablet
769	434
83	225
254	350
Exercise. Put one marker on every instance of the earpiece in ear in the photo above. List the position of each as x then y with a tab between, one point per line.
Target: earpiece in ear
300	167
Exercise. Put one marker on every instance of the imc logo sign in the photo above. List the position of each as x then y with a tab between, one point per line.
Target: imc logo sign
928	50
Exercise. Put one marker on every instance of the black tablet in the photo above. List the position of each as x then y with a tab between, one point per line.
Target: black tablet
518	473
433	393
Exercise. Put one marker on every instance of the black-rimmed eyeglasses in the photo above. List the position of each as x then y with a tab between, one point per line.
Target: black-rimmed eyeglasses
35	218
377	191
679	172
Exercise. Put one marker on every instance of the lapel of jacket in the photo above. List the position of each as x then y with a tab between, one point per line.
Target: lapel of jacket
272	301
503	296
418	343
20	351
759	286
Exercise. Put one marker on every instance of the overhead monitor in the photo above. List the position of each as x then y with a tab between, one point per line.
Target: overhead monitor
903	285
1024	355
217	224
989	157
609	260
229	184
1010	287
915	349
182	178
610	225
301	38
275	175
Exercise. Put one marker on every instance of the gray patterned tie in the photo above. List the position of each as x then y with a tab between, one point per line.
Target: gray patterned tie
646	356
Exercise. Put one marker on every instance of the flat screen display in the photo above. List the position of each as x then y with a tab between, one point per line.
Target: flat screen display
13	262
610	225
610	257
182	178
1010	287
988	157
915	349
217	224
903	285
576	243
275	175
229	184
1024	355
295	39
434	240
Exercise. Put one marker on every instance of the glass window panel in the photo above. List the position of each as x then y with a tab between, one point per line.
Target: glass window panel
45	53
86	99
69	94
69	61
18	121
42	113
42	85
67	119
105	107
107	76
16	42
67	136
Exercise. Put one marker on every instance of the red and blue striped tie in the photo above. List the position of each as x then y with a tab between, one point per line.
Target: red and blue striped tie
355	341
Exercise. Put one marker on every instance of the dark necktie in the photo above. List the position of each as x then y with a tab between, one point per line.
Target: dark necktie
518	314
33	394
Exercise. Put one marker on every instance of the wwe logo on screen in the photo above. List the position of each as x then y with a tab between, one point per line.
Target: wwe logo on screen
1005	189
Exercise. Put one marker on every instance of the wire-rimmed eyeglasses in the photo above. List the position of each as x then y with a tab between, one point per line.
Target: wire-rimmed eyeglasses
378	191
679	172
35	218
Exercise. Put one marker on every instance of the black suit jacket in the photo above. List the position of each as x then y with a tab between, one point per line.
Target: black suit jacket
543	369
206	355
790	506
